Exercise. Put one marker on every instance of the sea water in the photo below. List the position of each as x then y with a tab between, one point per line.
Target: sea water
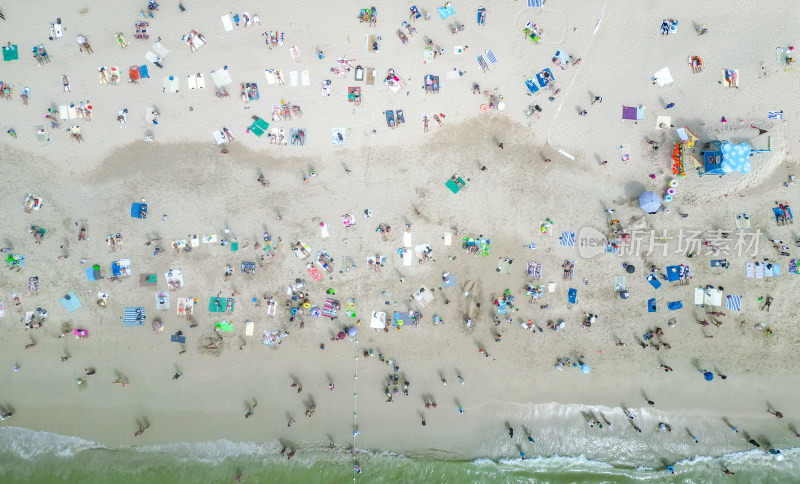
39	457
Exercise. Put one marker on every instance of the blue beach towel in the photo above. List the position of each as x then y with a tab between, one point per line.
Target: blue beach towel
567	239
70	302
490	57
673	273
542	81
137	209
572	296
535	3
90	274
134	316
446	11
651	305
653	280
674	305
733	302
143	73
178	339
532	87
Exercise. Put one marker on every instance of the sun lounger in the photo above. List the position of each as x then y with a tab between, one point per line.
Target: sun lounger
305	78
293	78
171	84
134	316
70	302
227	23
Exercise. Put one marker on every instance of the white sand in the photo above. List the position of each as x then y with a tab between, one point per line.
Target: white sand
395	173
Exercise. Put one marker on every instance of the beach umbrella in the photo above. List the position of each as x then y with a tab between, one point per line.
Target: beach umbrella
341	335
624	294
585	369
630	269
650	202
708	375
352	331
80	39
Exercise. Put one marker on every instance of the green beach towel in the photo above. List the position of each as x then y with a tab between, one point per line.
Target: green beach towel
224	326
223	305
259	127
10	53
451	184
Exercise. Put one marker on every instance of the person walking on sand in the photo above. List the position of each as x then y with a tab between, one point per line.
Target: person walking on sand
511	432
597	99
142	430
423	421
250	410
177	375
776	413
669	106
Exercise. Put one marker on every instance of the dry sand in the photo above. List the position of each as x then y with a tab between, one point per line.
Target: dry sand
394	173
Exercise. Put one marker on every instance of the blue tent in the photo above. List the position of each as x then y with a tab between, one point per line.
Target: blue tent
726	157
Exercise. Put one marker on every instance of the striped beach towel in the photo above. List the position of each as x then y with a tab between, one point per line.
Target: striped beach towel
134	316
567	239
775	115
748	271
733	302
535	3
490	57
759	270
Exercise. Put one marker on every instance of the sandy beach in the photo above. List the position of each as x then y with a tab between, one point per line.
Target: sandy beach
559	156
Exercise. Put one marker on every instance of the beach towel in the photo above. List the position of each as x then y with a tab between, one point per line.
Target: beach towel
482	63
174	278
446	11
449	281
759	270
776	269
293	78
709	297
651	305
545	80
653	280
90	274
533	270
373	43
171	84
221	77
491	57
72	112
298	136
743	221
10	53
314	272
63	113
305	78
177	338
733	302
505	267
147	280
223	326
663	77
535	3
220	304
448	238
249	327
162	301
768	270
138	210
70	302
270	75
329	308
377	320
390	118
749	270
775	115
133	316
338	136
794	267
481	16
185	306
730	77
324	230
453	186
259	127
160	50
567	239
423	296
191	80
572	296
121	267
620	283
674	305
633	113
15	260
779	213
673	273
56	31
401	118
295	53
407	258
219	136
227	23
